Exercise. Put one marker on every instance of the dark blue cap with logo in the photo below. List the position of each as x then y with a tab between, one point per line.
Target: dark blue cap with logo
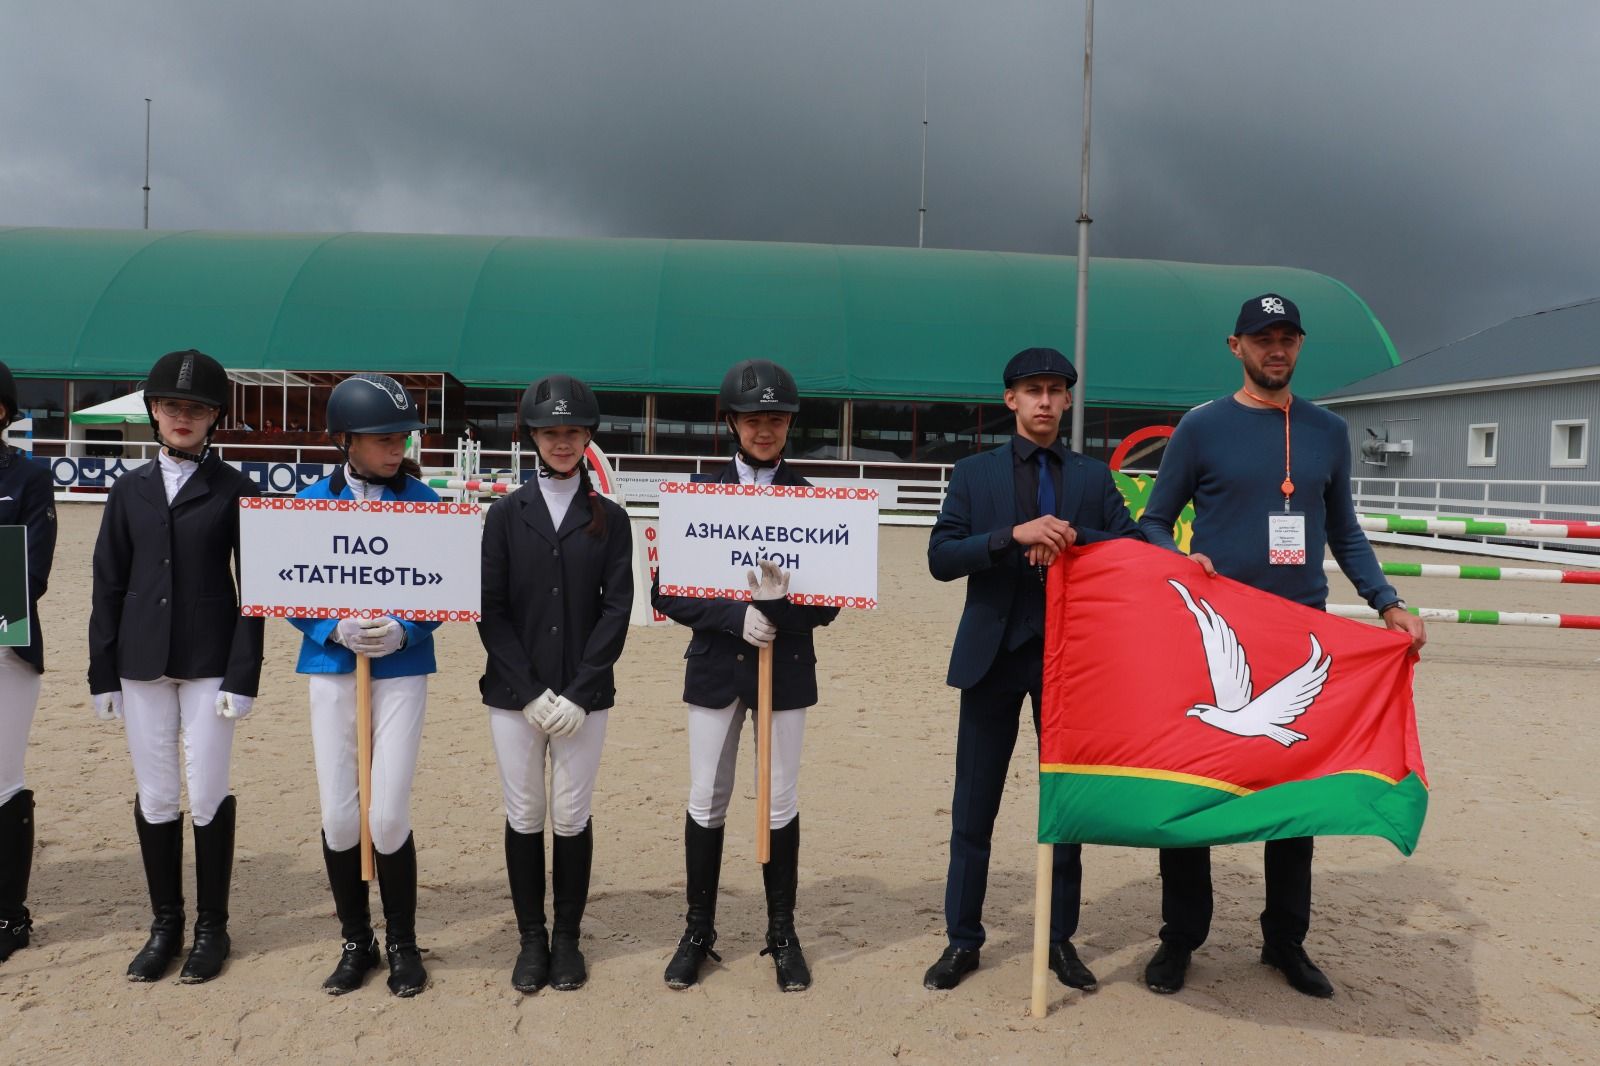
1265	311
1033	361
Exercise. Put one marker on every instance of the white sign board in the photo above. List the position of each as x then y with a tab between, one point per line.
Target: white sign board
710	535
646	560
344	558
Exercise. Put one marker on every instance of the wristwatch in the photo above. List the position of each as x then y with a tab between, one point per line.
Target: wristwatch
1397	603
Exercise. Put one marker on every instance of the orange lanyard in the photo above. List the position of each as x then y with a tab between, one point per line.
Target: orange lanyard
1287	488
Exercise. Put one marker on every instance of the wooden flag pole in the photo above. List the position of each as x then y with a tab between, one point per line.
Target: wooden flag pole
764	755
364	759
1041	930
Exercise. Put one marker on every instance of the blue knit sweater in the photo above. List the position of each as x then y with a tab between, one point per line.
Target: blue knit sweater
1228	458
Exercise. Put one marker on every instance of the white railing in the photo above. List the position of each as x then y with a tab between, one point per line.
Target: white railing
1572	500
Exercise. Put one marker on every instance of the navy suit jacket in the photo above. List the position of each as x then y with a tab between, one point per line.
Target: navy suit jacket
982	498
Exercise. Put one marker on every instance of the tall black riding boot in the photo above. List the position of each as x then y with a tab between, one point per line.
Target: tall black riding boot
213	875
161	847
16	863
781	876
702	859
397	885
359	956
525	871
571	859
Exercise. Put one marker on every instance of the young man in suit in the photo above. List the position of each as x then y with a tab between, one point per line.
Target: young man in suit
1007	515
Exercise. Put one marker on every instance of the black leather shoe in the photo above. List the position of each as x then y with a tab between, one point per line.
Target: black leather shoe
693	949
1296	965
1069	969
358	959
531	971
952	966
793	973
568	971
1167	969
407	976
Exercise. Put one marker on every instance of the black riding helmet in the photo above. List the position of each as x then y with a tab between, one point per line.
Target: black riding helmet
559	400
372	403
192	376
756	385
556	400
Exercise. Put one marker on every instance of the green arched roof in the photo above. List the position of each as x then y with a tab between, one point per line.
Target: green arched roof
660	315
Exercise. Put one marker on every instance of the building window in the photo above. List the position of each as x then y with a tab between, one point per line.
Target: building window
1569	443
1483	444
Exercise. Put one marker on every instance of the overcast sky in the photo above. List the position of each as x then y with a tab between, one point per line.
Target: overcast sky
1442	157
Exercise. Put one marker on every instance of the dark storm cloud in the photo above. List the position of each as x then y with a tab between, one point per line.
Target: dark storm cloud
1440	157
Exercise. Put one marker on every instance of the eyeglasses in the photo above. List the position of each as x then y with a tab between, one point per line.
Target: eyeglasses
178	409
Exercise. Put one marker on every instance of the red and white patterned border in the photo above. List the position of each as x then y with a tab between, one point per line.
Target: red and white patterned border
782	492
290	503
256	610
704	592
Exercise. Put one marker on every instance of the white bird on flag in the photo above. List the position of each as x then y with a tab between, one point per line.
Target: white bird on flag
1237	709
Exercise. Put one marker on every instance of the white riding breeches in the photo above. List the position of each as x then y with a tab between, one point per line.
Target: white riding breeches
520	748
19	699
154	713
714	751
398	706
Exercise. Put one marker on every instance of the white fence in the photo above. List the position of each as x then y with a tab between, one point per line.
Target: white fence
1571	500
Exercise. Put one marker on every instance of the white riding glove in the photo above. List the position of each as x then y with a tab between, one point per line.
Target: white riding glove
108	705
348	632
772	584
535	711
379	637
758	628
233	705
563	717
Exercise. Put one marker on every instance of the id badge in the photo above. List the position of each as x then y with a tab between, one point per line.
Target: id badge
1286	538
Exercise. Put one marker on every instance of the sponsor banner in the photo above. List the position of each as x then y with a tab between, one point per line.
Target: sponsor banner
349	558
274	479
15	625
711	535
646	561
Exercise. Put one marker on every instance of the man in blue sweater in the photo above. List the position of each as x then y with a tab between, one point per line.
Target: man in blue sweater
1270	478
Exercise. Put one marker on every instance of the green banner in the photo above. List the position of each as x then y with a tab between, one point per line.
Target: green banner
15	625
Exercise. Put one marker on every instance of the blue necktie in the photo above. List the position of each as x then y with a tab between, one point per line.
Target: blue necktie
1047	485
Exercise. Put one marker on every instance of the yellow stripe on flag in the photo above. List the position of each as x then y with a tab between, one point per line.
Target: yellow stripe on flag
1172	775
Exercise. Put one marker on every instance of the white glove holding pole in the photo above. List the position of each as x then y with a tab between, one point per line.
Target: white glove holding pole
348	632
563	717
108	705
379	637
233	705
772	584
536	710
758	628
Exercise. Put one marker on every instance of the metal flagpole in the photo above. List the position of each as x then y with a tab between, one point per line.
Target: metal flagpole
922	202
147	162
1081	324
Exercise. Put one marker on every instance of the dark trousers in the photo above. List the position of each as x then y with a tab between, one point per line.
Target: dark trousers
1186	893
985	739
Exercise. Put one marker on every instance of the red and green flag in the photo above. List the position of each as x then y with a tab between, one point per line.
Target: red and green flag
1183	710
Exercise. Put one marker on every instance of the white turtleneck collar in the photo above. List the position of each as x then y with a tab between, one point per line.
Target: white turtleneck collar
558	493
754	475
175	473
360	487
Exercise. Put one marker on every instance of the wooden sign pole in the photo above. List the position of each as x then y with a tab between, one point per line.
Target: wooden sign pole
364	759
764	755
1041	930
